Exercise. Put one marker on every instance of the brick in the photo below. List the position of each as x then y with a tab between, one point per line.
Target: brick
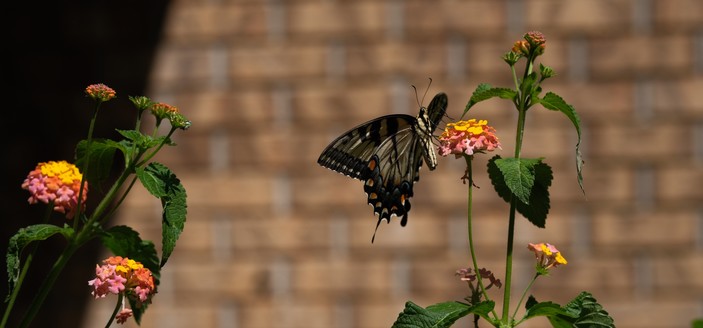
678	99
626	229
267	63
239	112
321	19
178	66
617	59
678	15
209	22
674	184
396	58
648	313
599	17
615	141
479	19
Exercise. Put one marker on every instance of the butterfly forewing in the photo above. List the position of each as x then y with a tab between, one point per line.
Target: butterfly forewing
387	153
350	153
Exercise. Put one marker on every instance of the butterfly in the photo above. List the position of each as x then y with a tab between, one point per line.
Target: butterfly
386	153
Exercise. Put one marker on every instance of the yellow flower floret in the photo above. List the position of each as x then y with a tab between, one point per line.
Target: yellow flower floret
66	172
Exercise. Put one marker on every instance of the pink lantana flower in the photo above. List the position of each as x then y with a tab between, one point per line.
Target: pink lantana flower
123	316
547	256
468	137
57	182
121	275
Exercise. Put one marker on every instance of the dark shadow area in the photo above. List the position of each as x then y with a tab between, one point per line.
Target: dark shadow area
54	50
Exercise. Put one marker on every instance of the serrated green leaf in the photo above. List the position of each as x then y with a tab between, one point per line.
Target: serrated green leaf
545	309
152	182
552	101
440	315
583	311
162	183
142	141
484	91
99	159
124	241
519	175
538	208
20	240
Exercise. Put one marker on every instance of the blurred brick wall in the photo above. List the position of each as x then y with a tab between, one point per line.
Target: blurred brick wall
274	240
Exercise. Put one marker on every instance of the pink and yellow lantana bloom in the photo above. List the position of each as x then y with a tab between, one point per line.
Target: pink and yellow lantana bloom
57	182
124	276
467	138
547	255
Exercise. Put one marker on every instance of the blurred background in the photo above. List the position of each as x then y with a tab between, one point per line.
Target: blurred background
274	240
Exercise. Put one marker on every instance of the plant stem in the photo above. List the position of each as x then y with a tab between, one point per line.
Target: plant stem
25	268
469	176
116	310
511	223
509	263
84	169
524	293
48	283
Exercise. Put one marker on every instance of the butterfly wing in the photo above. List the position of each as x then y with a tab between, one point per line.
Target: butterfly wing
350	153
387	153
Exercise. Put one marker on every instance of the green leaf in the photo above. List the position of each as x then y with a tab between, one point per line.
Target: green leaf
484	91
581	312
152	182
439	315
142	141
545	309
697	323
537	207
162	183
519	175
99	157
125	242
20	240
554	102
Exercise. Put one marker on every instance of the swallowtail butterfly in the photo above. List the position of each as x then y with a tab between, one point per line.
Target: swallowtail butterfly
386	153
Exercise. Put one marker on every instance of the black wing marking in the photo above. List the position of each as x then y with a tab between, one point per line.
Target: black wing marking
387	153
350	153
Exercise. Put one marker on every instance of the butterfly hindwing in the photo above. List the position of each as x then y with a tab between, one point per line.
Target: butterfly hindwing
387	153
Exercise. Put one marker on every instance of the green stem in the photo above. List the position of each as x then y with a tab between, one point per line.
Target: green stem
84	169
115	311
524	293
49	283
469	176
509	263
25	268
511	223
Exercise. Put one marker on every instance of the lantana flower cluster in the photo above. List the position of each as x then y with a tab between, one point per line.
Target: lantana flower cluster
165	111
57	182
534	41
468	137
547	256
100	92
121	275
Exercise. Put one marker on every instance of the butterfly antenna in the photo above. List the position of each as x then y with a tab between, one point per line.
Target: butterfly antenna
428	89
416	100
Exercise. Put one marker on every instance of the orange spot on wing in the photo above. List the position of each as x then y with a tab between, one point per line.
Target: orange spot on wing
372	164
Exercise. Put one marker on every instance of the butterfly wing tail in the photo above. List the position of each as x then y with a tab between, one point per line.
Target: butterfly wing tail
386	199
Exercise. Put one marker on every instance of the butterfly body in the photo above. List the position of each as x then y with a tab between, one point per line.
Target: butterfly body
386	153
